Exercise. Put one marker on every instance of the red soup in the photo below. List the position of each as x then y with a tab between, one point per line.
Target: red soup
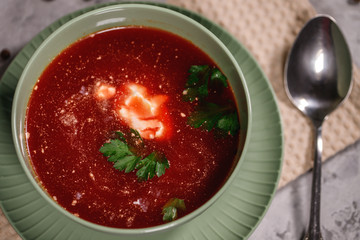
131	84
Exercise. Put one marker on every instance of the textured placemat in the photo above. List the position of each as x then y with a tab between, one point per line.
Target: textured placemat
268	29
6	230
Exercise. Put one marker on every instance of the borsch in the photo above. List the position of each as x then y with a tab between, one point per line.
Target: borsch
132	127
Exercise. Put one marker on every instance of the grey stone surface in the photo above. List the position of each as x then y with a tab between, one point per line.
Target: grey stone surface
287	217
21	20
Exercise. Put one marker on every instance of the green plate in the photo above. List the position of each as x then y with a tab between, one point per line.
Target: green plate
234	216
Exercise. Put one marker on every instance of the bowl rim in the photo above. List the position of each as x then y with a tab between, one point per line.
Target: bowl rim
131	231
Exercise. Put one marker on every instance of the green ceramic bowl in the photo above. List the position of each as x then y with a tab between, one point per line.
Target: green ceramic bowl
125	15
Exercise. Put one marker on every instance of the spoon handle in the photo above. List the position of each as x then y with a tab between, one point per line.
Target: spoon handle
314	232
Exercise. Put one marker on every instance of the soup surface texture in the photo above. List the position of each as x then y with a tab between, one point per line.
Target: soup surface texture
116	80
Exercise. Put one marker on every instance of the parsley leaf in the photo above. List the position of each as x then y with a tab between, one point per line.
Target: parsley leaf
229	123
121	136
200	79
153	164
171	209
218	76
211	115
119	153
136	137
122	155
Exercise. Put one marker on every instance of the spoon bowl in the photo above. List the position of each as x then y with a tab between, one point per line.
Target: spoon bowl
318	70
318	77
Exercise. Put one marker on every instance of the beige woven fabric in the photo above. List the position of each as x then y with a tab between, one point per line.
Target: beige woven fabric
6	231
268	29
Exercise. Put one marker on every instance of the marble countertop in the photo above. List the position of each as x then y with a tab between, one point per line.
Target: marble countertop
287	216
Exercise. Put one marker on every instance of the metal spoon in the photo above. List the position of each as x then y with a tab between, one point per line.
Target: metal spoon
318	77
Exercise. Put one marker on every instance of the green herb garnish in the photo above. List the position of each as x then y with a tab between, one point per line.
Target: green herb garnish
153	164
229	123
171	209
125	159
200	79
119	153
211	115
